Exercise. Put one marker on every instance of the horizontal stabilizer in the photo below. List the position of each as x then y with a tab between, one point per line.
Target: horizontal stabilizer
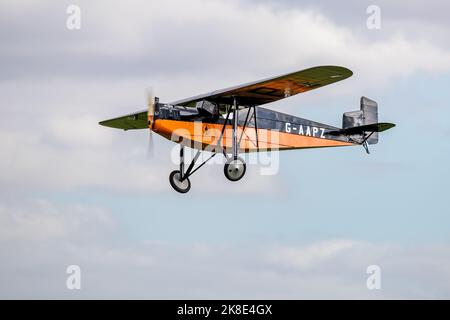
374	127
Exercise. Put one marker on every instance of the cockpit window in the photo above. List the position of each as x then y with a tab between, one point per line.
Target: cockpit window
208	106
242	115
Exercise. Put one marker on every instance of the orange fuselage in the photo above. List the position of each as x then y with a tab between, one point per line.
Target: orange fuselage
208	136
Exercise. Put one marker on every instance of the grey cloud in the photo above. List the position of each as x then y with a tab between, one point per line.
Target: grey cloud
55	86
125	41
353	12
148	269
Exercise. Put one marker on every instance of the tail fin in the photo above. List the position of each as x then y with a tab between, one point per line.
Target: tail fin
367	115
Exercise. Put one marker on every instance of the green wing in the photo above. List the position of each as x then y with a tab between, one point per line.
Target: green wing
275	88
138	120
251	94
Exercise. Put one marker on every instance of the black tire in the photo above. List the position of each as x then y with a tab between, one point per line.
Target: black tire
232	172
179	186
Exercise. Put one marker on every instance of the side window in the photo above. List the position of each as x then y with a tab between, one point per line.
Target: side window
242	115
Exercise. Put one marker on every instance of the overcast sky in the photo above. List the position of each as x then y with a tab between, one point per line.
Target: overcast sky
75	193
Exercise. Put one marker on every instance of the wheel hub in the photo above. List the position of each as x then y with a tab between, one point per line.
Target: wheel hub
235	169
177	181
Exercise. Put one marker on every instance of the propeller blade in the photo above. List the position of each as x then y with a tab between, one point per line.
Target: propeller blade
150	97
150	113
150	103
150	150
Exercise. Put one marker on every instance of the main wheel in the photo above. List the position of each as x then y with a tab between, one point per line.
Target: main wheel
234	170
176	183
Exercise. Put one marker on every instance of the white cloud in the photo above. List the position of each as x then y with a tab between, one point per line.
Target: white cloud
41	239
57	85
225	38
308	256
39	220
50	130
78	131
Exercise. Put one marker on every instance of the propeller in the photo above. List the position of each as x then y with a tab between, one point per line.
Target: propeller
150	114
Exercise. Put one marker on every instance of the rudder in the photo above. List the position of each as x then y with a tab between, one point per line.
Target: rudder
368	114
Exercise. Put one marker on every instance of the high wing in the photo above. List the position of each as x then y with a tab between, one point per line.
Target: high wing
250	94
275	88
138	120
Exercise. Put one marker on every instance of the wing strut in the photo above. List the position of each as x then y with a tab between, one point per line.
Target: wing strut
256	128
235	123
252	109
223	130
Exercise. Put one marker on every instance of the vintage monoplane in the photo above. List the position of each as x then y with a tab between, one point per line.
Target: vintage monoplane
230	121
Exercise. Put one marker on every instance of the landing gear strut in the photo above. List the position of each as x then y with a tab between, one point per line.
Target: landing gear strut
179	179
235	166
